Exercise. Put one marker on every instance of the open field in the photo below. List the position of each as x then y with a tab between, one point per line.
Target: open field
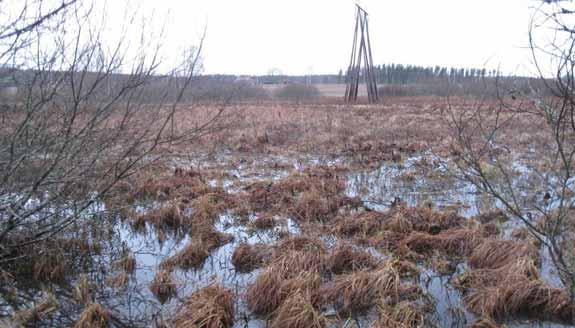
300	215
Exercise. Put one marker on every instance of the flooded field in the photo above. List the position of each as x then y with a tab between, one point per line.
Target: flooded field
360	247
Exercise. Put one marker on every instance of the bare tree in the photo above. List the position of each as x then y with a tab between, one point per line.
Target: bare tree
88	114
530	172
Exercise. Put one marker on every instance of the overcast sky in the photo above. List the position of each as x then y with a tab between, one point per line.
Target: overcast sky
315	36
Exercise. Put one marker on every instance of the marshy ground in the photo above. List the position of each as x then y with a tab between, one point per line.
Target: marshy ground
309	215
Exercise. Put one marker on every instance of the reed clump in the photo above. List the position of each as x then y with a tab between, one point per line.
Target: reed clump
402	315
359	291
163	286
346	258
209	307
45	307
248	257
298	311
93	316
495	253
275	284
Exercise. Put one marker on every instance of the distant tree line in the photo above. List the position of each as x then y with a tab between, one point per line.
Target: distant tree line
410	74
393	74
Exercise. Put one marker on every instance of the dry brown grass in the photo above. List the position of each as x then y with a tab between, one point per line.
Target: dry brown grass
93	316
127	263
82	291
530	297
359	291
346	258
169	216
26	317
204	240
209	307
120	280
275	284
264	221
423	219
191	256
312	244
359	225
497	216
163	286
454	242
298	311
495	253
248	257
402	315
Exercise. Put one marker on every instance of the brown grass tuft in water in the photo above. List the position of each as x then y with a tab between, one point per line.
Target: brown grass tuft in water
359	291
311	244
274	284
248	257
27	317
127	263
298	311
264	221
192	256
346	258
495	253
454	242
93	316
82	291
163	286
402	315
209	307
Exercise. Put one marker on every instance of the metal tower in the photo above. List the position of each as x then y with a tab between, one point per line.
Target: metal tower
361	52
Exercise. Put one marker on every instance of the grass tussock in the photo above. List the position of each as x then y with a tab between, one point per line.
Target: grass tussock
495	253
45	307
298	311
204	240
402	315
274	285
167	217
530	297
264	222
422	219
120	280
209	307
192	256
127	263
163	286
454	242
515	288
346	258
82	291
359	291
248	257
93	316
362	224
302	243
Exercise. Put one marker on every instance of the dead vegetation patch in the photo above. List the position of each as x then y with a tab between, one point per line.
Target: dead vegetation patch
163	286
495	253
248	257
358	291
209	307
93	316
298	311
402	315
346	258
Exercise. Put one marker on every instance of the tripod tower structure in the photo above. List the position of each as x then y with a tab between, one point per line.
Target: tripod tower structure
361	54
